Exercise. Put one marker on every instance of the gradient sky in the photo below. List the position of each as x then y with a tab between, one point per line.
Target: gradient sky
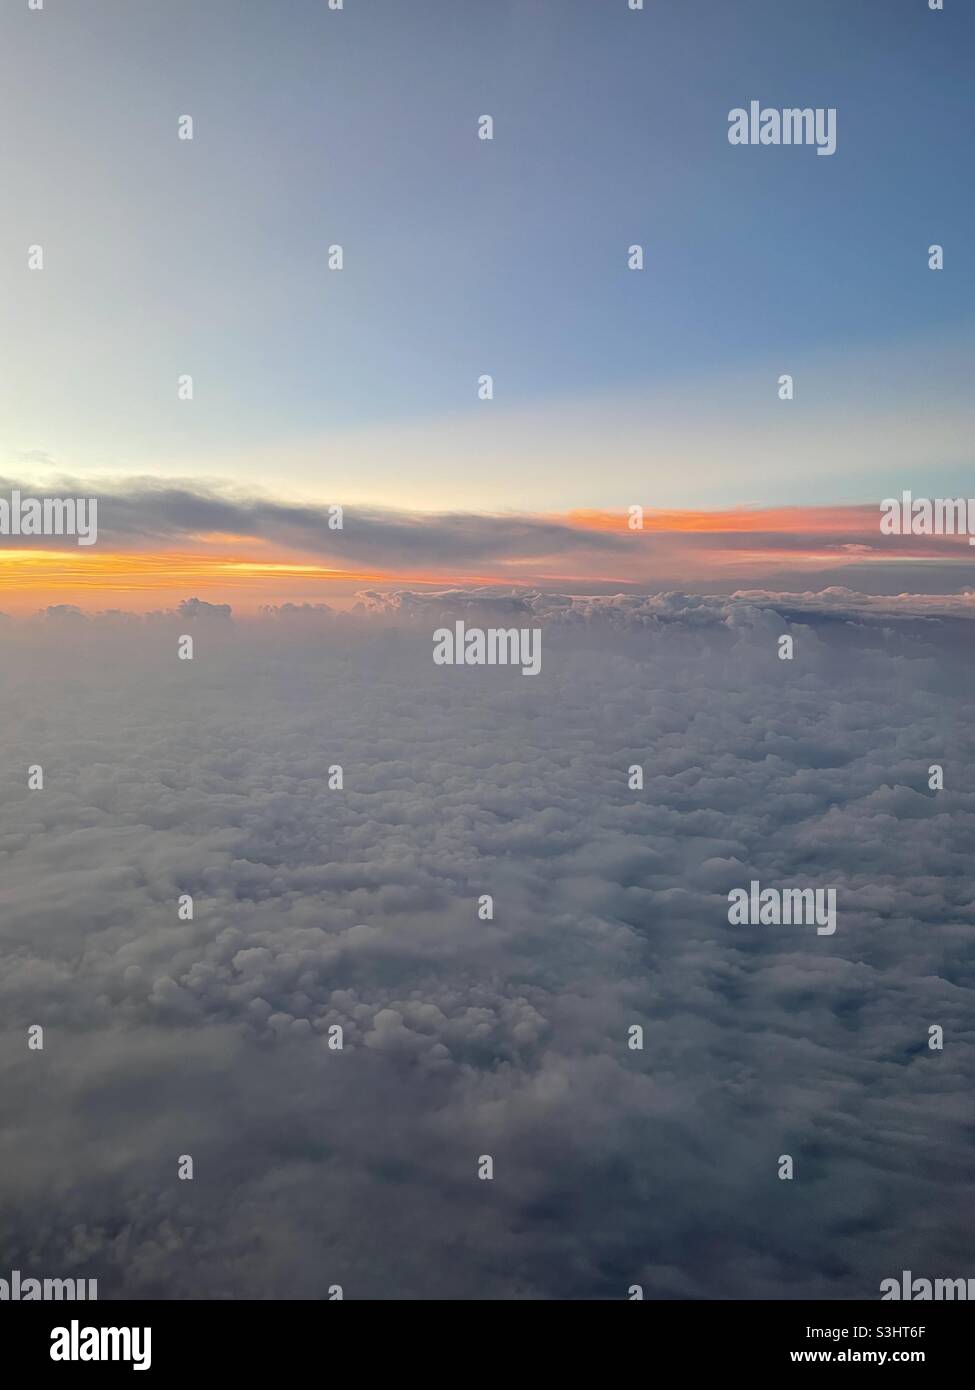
462	256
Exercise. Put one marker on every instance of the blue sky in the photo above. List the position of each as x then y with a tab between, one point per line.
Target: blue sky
508	257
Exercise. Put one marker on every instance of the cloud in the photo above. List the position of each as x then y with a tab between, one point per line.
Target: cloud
636	611
145	511
359	907
153	535
199	608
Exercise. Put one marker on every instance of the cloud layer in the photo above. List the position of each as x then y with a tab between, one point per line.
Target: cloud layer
464	1037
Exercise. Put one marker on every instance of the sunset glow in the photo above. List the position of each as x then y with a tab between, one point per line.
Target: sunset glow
732	546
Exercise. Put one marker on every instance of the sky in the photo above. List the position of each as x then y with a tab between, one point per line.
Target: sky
612	387
841	762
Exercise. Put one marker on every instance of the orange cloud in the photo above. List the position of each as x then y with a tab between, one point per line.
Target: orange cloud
791	520
676	549
31	578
